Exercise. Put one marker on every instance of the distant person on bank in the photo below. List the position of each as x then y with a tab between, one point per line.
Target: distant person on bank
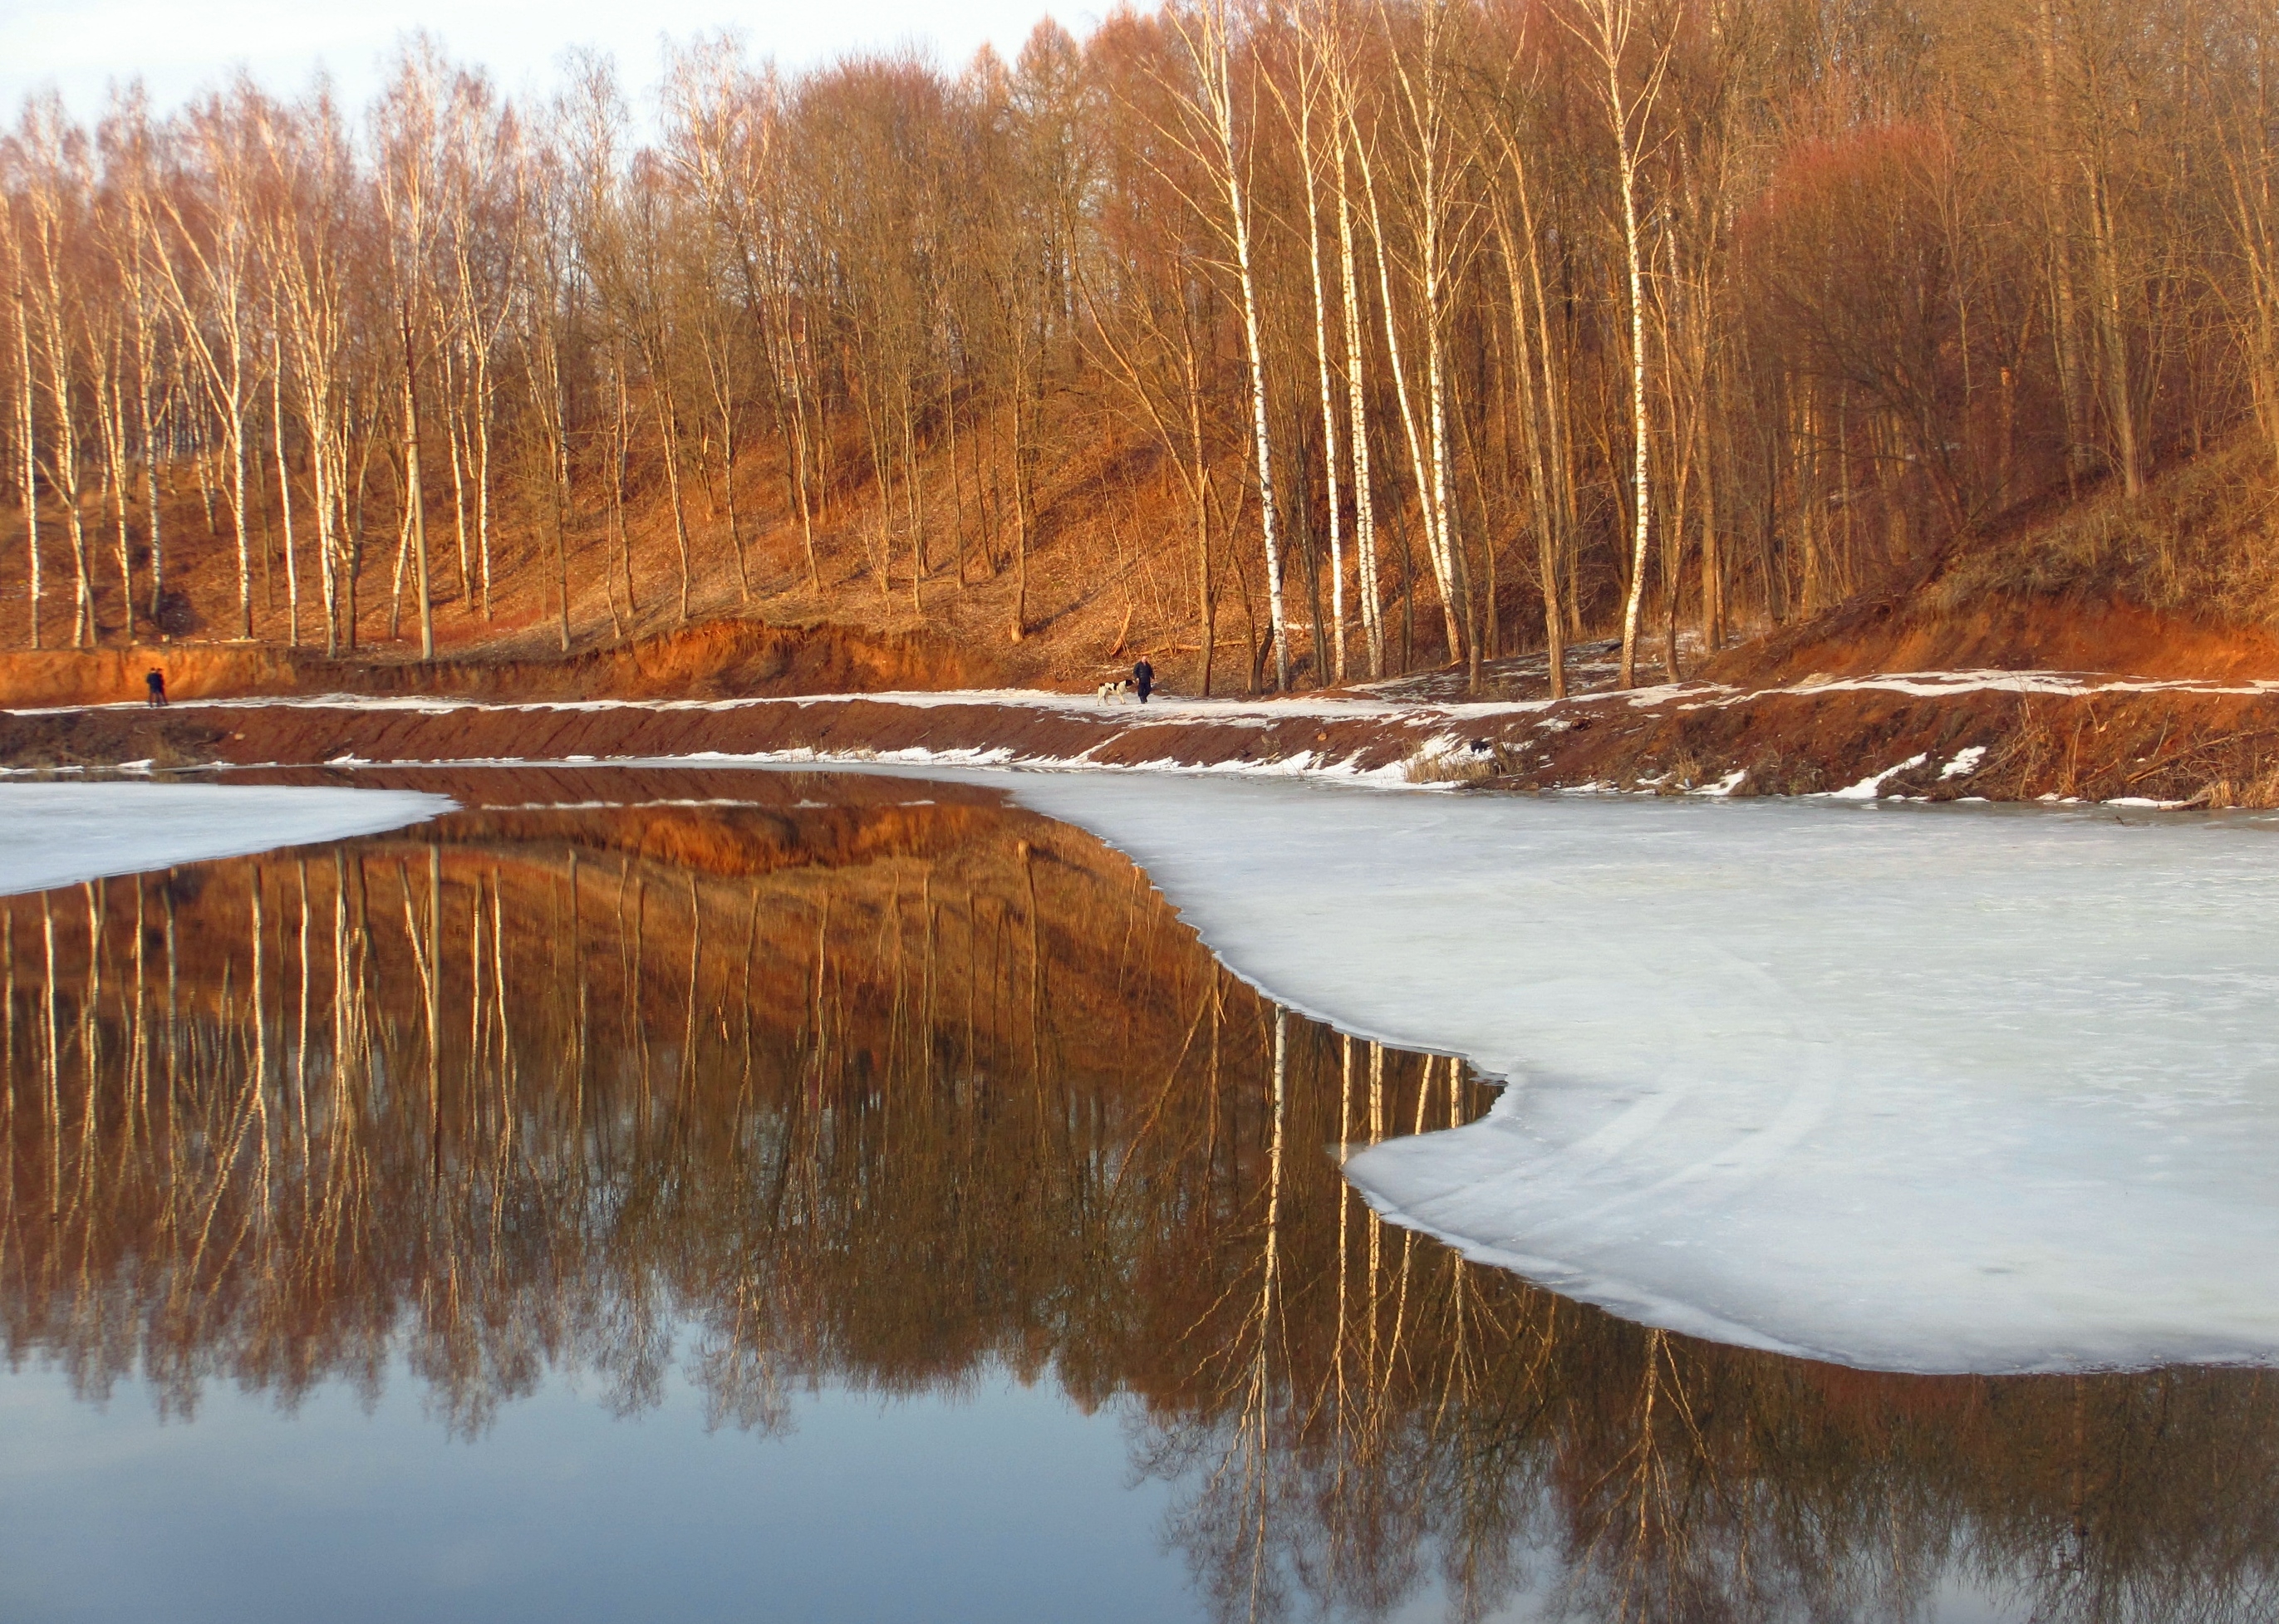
1143	677
155	681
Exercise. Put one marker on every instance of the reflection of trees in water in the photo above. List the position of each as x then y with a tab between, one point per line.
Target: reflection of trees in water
889	1095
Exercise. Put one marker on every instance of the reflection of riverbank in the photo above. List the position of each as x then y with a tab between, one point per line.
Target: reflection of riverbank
906	1086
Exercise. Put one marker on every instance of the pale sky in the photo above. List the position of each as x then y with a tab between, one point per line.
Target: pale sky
179	46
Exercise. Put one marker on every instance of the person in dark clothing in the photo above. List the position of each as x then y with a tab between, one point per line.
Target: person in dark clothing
1143	677
155	681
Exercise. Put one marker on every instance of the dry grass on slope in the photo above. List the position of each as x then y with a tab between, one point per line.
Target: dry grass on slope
2202	542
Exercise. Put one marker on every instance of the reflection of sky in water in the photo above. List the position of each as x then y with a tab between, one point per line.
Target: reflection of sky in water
1007	1503
1002	1503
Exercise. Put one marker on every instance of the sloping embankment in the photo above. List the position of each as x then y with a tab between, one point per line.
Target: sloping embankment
1940	735
716	659
1929	631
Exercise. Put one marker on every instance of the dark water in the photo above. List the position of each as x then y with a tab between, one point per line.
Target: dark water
866	1201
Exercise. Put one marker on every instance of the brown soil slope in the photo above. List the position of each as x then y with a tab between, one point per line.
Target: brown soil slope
717	660
1107	569
2180	581
1925	631
2209	746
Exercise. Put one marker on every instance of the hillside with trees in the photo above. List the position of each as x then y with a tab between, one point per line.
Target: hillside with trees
1292	345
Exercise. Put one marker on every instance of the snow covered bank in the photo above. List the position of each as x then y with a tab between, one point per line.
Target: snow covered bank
61	833
1909	1088
1390	699
2004	736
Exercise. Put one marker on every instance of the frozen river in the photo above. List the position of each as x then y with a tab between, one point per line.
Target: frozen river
1952	1089
60	833
612	1191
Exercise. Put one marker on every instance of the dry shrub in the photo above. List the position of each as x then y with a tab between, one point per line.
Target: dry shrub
2023	763
1424	764
1684	775
1775	774
166	756
2264	791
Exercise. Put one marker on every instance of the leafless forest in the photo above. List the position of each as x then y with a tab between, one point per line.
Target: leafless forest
1389	335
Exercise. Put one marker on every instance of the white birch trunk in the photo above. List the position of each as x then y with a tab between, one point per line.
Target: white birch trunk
1213	51
1239	210
64	460
1306	92
29	468
483	427
111	399
234	404
1419	460
284	493
1613	20
1372	607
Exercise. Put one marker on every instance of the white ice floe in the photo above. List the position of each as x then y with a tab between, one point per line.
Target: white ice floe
57	834
1931	1089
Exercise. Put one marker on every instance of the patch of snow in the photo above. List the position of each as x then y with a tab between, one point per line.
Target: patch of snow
1965	762
62	833
1872	785
963	755
1725	785
1937	1091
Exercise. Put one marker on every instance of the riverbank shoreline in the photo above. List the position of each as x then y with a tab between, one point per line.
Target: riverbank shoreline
1933	735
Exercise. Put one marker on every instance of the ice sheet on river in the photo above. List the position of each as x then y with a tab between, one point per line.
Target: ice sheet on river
1914	1088
57	834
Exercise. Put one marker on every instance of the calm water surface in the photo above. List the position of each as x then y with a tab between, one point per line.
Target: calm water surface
753	1195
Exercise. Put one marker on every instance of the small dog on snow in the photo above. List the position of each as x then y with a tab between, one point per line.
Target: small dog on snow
1118	692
